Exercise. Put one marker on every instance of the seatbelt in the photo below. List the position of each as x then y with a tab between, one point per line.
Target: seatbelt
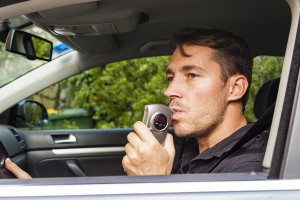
258	127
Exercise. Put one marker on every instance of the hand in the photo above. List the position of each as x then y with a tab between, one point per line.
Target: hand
145	155
17	171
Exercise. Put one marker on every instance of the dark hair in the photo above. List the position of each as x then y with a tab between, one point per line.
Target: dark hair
231	52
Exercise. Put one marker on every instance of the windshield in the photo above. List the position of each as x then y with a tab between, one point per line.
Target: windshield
12	65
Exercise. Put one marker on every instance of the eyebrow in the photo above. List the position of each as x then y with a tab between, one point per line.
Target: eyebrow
186	68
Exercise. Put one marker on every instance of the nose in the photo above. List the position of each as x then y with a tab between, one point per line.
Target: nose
174	90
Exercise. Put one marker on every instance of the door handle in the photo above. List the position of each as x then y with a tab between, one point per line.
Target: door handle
64	139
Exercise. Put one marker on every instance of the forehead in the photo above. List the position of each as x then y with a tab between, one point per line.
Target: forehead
199	56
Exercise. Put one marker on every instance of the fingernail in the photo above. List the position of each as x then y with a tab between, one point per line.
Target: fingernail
8	160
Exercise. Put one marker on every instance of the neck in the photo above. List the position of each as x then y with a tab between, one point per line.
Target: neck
231	123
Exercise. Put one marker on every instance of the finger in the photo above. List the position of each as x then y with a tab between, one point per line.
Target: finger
126	166
129	150
125	161
143	132
169	145
133	139
17	171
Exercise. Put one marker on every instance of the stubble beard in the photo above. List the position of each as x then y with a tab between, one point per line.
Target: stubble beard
203	124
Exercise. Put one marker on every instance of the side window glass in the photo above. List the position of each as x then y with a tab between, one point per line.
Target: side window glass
111	96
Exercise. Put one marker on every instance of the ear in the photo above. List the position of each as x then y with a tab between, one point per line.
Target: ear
238	85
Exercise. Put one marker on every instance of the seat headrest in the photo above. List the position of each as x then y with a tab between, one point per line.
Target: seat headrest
265	97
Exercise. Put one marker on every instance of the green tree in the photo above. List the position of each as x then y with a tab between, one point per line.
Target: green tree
116	94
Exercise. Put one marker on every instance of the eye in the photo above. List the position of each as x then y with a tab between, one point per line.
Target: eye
170	78
192	75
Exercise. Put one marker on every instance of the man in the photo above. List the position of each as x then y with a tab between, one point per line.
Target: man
209	77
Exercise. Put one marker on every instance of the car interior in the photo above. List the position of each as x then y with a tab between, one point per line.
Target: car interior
101	32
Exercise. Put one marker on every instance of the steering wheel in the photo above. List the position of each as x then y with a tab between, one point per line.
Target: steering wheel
4	173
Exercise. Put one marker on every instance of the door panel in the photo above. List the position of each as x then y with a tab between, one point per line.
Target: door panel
70	153
95	152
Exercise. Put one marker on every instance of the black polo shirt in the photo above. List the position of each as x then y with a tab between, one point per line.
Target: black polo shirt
247	158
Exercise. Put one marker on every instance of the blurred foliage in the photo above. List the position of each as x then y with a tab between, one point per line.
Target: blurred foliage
67	124
42	48
116	94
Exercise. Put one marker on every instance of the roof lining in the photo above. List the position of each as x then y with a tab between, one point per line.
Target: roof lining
29	6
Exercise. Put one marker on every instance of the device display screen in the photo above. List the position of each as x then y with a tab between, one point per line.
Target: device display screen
160	121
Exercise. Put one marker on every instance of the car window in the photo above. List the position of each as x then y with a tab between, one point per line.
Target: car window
113	96
264	68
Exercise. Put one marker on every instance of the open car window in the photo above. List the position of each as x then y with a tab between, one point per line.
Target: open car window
114	95
110	96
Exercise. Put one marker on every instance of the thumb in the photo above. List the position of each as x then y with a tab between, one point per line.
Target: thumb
17	171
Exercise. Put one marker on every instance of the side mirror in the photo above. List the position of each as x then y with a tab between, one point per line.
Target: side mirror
31	114
29	45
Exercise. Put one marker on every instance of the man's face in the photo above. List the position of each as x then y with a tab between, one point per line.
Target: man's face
197	93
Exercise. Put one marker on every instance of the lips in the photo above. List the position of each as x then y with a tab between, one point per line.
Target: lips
175	113
177	109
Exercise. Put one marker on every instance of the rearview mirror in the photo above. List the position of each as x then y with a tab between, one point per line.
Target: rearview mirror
29	45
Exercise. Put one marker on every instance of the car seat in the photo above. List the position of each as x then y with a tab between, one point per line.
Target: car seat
265	97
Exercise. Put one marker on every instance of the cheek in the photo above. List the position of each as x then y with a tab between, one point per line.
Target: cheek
203	92
205	97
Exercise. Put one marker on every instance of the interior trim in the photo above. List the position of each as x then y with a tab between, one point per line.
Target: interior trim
152	44
220	189
4	3
295	9
95	150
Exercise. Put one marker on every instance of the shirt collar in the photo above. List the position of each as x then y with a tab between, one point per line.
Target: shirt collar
219	149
